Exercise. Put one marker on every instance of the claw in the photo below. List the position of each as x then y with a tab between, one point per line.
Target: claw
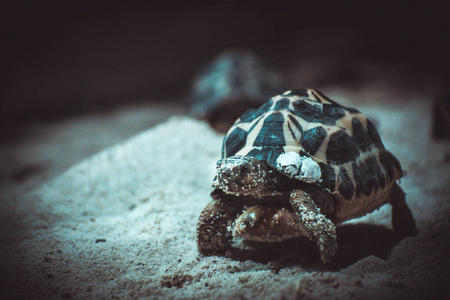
327	247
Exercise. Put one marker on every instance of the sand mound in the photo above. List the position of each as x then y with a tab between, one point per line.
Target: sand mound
121	224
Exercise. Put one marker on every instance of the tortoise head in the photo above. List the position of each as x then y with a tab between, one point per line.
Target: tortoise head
241	175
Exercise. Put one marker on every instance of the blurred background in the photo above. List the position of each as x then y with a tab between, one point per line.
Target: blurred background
61	57
91	60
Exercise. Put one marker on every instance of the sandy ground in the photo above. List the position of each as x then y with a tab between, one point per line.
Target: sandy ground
121	223
39	151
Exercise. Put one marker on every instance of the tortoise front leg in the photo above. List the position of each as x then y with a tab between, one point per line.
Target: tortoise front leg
319	228
403	221
213	237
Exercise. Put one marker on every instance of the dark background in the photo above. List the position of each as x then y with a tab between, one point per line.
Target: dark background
62	57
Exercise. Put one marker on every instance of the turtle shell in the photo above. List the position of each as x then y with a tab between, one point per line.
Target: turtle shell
354	163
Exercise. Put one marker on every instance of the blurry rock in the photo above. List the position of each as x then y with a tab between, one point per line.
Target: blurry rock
24	172
232	83
441	117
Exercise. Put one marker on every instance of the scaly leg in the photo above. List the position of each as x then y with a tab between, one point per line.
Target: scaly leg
320	229
402	219
213	237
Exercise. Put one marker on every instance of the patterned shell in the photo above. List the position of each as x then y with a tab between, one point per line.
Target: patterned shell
354	162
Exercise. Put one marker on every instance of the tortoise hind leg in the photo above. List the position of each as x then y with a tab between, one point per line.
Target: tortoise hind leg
403	221
318	227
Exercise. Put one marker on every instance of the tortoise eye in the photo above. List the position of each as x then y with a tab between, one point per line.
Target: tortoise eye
244	168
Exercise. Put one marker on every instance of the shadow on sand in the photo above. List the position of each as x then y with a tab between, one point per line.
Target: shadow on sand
355	241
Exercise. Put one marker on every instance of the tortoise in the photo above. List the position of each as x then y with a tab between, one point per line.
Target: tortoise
296	167
233	82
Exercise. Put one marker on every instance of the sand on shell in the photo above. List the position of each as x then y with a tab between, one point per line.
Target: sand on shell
122	223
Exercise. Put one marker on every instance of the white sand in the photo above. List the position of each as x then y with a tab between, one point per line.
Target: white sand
121	224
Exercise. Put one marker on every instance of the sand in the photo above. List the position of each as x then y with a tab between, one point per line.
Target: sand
121	224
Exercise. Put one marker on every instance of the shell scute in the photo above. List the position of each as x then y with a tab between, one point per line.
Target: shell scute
312	139
271	133
361	135
389	163
346	188
283	103
328	176
367	175
311	112
235	141
333	112
341	148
